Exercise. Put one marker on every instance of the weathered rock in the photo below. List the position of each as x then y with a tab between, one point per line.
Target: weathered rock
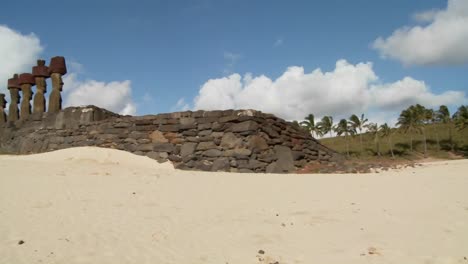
230	140
122	125
255	164
163	147
204	126
143	141
158	137
221	164
244	126
298	155
153	155
212	153
145	147
217	134
130	140
137	135
238	153
206	138
204	133
187	149
174	158
203	165
187	121
206	145
284	162
257	144
169	128
270	131
230	118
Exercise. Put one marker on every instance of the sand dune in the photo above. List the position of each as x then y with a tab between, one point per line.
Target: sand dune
89	205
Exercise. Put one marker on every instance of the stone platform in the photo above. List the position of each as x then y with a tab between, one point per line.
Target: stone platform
230	140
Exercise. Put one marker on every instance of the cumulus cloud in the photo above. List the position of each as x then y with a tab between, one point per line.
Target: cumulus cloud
115	96
346	90
442	40
18	53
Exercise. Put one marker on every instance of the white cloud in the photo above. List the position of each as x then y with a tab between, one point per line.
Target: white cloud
181	105
409	91
278	42
230	61
443	41
18	53
114	96
232	58
348	89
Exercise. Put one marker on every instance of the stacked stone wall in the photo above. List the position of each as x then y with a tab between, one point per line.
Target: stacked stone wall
230	140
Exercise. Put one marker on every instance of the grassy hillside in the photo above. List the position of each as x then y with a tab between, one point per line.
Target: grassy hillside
401	144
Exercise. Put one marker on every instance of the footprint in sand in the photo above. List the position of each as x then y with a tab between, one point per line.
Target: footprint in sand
373	251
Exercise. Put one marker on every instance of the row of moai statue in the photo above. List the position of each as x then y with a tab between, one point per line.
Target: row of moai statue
25	82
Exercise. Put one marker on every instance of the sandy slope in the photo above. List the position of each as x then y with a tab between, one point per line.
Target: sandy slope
89	205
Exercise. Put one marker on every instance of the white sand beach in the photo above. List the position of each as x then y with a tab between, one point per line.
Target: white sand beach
91	205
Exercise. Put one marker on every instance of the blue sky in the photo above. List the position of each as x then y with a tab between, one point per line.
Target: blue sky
167	51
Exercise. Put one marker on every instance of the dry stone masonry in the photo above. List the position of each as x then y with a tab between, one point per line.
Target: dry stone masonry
230	140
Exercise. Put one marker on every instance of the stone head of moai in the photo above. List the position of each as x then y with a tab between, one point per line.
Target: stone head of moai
57	68
14	87
26	81
41	73
3	101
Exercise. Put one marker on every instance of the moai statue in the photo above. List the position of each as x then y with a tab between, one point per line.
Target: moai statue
13	86
57	69
41	73
3	103
26	80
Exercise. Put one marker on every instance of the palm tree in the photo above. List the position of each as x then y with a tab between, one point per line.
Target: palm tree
358	123
443	116
343	128
387	133
421	116
373	129
461	117
309	125
409	122
431	118
326	125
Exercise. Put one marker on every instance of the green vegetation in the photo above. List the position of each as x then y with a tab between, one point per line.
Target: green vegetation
419	132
